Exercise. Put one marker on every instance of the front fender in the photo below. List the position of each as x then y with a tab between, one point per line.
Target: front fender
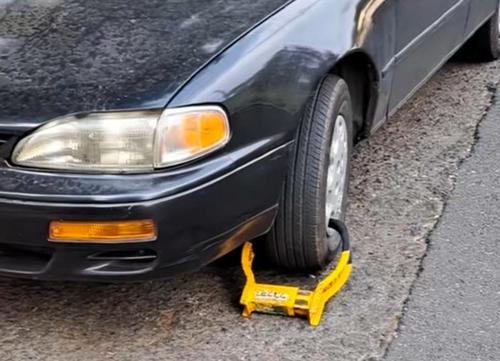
267	76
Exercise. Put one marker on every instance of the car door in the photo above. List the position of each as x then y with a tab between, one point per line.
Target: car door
480	11
427	32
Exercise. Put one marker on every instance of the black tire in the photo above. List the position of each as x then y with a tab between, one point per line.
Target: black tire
298	240
484	45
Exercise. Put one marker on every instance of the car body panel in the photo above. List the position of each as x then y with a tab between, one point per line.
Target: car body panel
281	62
61	57
480	10
428	32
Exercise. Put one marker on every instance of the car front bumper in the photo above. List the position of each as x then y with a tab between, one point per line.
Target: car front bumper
196	224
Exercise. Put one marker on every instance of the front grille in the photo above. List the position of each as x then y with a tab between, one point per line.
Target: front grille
4	137
23	260
5	149
125	261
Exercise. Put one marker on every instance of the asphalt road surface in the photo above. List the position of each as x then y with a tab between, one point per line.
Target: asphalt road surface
401	180
454	310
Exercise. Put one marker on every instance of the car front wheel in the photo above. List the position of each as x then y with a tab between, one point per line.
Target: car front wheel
315	189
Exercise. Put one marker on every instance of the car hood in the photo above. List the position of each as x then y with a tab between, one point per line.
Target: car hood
66	56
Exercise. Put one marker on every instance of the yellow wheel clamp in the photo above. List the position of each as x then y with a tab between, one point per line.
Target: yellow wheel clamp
292	301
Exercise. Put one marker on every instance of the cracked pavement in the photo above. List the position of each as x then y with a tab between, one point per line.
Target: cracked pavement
454	308
402	177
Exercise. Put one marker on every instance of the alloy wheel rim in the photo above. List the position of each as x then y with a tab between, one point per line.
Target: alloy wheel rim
337	170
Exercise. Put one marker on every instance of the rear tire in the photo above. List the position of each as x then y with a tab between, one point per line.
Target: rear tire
485	43
300	239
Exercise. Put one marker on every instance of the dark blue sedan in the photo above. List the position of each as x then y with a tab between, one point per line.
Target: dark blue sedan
140	139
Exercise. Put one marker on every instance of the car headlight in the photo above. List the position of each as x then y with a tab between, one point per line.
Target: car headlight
132	141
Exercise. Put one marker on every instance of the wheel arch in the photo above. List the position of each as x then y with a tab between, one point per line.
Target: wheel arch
358	70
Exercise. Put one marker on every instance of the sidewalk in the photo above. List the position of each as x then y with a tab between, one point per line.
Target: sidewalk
454	310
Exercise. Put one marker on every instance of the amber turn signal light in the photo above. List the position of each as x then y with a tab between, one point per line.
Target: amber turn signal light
184	134
102	232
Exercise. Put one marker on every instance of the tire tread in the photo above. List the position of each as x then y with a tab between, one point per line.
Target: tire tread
295	242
